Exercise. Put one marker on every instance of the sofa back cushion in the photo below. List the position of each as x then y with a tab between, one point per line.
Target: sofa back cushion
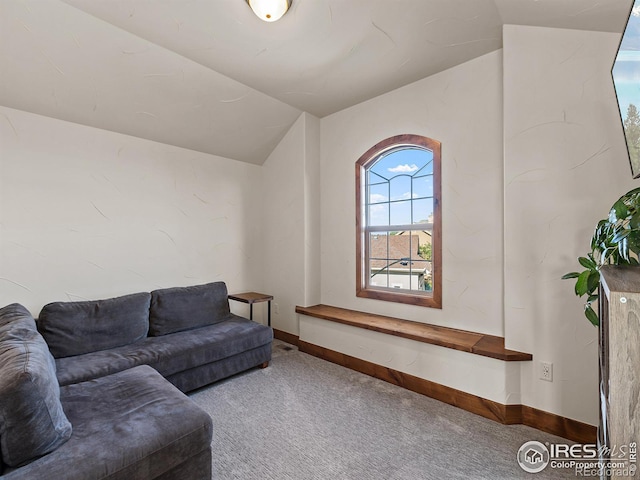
183	308
74	328
32	421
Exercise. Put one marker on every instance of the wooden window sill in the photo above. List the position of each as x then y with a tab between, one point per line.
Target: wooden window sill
465	341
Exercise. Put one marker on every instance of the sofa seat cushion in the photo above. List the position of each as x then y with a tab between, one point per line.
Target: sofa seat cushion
169	354
74	328
183	308
133	424
32	420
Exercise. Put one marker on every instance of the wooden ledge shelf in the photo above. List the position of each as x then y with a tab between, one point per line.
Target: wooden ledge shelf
465	341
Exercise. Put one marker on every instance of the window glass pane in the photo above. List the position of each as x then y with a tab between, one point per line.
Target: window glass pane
404	161
378	246
401	212
379	193
401	187
424	244
427	168
378	173
373	178
423	186
378	255
406	268
423	211
378	214
380	279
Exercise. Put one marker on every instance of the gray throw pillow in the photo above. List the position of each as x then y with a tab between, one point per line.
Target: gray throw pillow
74	328
183	308
32	421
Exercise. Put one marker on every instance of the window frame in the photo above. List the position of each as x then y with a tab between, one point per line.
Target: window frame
432	299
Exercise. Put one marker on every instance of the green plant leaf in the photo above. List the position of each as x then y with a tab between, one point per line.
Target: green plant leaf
592	298
623	248
592	281
620	235
582	284
567	276
620	209
591	315
634	240
605	254
587	263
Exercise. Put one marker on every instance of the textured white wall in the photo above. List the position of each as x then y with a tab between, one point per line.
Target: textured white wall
562	140
488	378
86	214
312	172
565	165
291	222
462	108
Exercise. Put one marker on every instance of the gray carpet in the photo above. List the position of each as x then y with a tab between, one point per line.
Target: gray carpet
304	418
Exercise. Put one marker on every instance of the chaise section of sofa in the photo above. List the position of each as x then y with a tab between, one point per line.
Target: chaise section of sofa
133	424
130	425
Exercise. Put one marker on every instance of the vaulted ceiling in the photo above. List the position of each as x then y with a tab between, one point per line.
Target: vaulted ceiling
210	76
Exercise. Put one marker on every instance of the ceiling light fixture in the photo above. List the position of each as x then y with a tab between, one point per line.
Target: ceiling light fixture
269	10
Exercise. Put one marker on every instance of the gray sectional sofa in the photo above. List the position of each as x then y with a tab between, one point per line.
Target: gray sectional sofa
89	390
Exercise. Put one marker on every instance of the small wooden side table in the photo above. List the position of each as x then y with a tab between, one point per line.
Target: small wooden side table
251	298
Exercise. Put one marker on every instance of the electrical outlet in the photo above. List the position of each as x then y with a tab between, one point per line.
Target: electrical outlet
546	371
276	308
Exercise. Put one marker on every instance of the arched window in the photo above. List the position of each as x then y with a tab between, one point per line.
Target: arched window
398	222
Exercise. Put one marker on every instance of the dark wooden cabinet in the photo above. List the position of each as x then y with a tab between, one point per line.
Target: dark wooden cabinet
619	340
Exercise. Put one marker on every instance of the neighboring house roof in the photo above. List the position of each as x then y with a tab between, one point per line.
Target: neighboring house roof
423	235
400	247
